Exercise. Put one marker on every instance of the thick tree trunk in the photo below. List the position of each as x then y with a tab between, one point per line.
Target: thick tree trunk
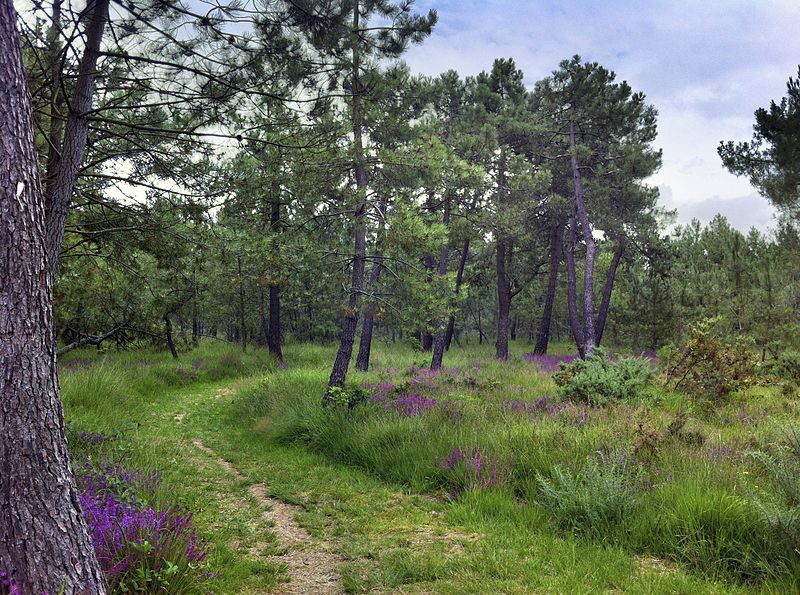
44	542
543	337
56	98
608	289
274	334
440	340
451	324
168	336
589	339
350	319
365	342
242	318
572	292
65	175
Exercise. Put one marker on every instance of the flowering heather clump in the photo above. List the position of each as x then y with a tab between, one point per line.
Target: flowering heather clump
6	586
411	405
92	437
719	453
549	363
139	547
470	468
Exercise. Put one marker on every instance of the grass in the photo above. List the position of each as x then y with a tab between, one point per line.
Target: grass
377	485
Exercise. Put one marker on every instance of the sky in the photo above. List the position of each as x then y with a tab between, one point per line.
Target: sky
706	65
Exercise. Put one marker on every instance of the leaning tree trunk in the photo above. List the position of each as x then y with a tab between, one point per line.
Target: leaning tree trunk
543	338
367	327
589	339
572	292
451	324
608	288
503	300
72	150
350	319
44	542
169	337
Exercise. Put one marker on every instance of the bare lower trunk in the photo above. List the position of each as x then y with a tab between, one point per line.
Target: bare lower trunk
451	324
543	338
503	301
168	336
65	175
608	289
44	542
365	342
350	319
440	339
261	336
572	293
242	320
589	339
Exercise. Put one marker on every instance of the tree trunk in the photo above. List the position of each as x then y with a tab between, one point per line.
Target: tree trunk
44	542
274	335
261	335
503	301
572	292
543	338
65	176
56	98
350	319
440	341
589	339
608	288
242	321
168	336
451	324
365	343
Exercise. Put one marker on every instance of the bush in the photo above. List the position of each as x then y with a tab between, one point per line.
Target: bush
597	380
597	498
709	365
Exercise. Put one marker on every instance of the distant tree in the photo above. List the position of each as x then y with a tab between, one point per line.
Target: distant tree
44	541
771	159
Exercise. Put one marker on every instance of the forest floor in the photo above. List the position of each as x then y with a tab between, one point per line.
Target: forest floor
281	518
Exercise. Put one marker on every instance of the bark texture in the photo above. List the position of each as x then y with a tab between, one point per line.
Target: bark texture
367	327
543	337
274	333
572	292
350	318
451	324
589	339
62	179
44	542
608	289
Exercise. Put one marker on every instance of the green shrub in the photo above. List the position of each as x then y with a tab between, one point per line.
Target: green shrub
597	380
710	365
597	498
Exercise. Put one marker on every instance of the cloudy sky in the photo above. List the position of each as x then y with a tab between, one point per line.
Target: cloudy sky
706	65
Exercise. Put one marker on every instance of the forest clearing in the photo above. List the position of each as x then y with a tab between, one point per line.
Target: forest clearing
290	303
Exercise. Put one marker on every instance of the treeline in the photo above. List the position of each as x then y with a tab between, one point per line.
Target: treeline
258	175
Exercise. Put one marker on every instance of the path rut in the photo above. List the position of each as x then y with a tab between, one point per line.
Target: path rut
311	567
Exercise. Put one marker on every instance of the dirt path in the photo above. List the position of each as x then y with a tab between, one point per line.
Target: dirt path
312	567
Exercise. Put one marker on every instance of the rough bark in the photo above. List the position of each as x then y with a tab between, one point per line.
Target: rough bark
242	317
73	148
608	288
367	327
440	340
572	293
44	542
543	337
451	324
56	98
350	318
589	339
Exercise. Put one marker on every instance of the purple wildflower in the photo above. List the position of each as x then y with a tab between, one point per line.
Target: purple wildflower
719	453
479	470
411	405
549	363
6	586
92	437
